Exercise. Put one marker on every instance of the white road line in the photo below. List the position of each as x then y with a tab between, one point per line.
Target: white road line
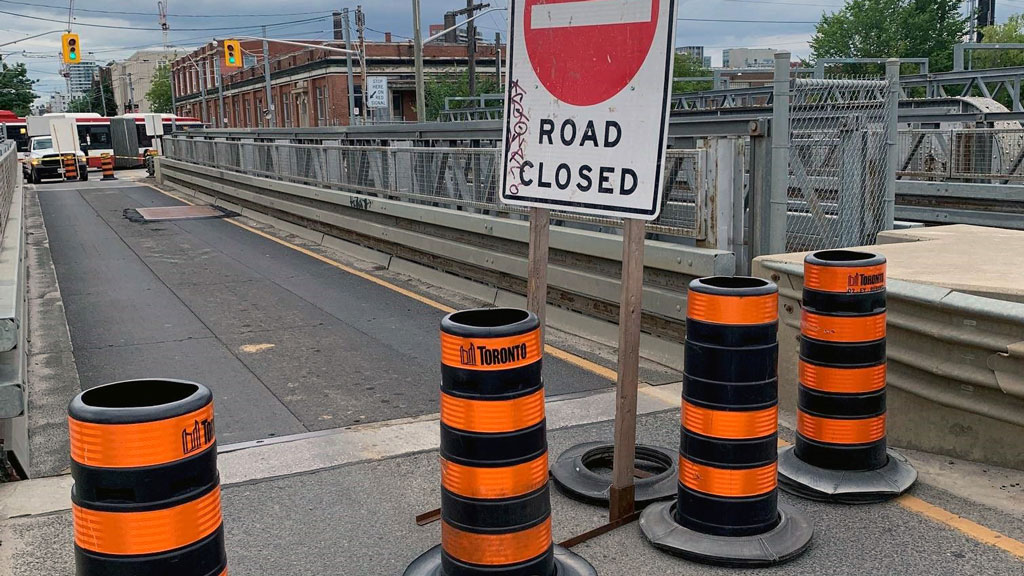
590	13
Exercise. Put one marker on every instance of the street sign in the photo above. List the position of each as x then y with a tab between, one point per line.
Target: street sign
377	92
586	105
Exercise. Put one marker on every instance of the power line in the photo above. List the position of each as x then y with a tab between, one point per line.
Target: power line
111	26
775	3
122	12
748	21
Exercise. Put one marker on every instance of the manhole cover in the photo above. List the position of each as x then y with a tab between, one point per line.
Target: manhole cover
164	213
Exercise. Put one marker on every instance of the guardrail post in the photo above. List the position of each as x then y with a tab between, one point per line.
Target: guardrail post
780	156
892	76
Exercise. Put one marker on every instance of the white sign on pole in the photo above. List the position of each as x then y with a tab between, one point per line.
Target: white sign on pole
377	92
587	104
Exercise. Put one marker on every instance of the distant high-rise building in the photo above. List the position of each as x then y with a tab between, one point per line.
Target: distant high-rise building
696	52
81	76
748	58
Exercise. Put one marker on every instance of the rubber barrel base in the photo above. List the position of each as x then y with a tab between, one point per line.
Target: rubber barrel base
790	537
566	564
848	487
573	473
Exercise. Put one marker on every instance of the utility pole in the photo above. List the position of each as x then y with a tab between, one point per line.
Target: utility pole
266	75
220	89
131	93
361	28
471	46
417	40
497	60
348	64
103	94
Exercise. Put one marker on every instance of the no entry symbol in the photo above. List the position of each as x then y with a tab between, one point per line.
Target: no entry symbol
586	51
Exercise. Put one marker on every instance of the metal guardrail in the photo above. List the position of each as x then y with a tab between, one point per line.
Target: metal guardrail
12	285
465	179
995	155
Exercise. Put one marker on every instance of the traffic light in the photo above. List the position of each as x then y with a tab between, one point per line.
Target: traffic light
232	54
70	48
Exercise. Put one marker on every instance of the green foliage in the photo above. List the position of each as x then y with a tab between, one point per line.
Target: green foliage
1012	31
436	89
93	101
159	95
690	66
16	92
891	29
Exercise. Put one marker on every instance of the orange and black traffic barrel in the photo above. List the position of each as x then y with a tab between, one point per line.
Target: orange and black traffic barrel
840	440
727	509
70	167
146	498
107	165
495	503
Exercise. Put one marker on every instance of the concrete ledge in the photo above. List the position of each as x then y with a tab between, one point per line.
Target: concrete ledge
955	358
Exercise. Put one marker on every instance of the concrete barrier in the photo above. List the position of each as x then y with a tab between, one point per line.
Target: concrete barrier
955	339
490	252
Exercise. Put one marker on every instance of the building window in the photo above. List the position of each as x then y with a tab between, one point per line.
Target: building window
286	109
259	112
321	106
248	112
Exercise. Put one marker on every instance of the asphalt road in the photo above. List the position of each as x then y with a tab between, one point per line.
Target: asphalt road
288	343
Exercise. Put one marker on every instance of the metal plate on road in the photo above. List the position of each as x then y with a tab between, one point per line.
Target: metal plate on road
180	213
586	105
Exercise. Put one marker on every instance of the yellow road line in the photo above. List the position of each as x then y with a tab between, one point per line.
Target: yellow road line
592	367
968	527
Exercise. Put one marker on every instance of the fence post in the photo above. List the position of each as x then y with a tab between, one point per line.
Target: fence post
780	156
892	152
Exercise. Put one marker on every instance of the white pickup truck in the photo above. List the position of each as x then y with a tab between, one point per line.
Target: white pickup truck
43	161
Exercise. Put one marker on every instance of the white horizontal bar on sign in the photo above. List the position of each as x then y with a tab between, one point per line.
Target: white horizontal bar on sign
590	13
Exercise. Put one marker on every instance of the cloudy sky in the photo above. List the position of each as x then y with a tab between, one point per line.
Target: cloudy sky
113	29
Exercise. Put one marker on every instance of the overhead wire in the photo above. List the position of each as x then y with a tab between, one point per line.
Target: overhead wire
123	12
115	27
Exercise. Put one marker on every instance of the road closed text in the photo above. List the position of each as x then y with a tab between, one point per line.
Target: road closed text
577	176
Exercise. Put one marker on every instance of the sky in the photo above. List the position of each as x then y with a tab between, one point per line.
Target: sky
779	24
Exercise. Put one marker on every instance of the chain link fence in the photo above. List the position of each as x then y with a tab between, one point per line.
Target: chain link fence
975	154
465	179
839	138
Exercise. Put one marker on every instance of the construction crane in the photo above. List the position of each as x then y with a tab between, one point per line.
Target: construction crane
162	8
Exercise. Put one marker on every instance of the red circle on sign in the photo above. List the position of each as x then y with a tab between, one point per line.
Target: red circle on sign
582	51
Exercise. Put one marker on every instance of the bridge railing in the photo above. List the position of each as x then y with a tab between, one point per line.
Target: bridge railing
989	155
464	179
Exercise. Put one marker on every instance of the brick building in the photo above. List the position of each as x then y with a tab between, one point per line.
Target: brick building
309	86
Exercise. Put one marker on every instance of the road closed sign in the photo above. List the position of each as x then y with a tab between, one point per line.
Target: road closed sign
586	105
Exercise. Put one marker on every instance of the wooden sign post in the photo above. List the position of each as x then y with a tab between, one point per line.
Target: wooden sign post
621	496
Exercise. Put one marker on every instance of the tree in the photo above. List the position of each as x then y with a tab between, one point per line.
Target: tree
690	66
16	92
891	29
159	95
452	86
1012	31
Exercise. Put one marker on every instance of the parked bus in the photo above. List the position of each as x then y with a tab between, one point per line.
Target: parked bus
94	132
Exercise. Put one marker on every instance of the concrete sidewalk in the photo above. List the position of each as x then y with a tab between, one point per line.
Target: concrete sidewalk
357	518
